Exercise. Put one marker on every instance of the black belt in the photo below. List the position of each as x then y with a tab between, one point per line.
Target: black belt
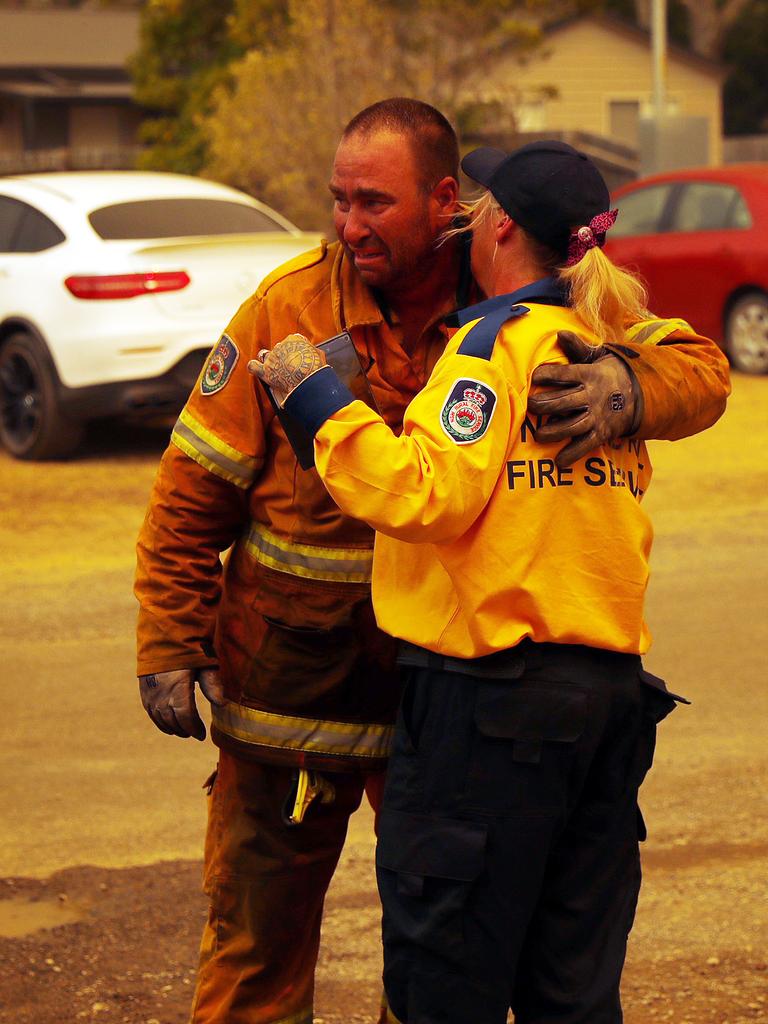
513	662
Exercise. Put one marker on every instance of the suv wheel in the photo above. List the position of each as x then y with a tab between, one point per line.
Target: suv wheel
746	333
31	423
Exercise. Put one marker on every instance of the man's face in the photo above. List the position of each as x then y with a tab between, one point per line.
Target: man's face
386	220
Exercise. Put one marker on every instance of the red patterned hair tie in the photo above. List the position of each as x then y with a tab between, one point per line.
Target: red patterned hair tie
587	237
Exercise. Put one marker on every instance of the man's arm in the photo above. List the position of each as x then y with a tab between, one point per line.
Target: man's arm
684	380
664	381
198	507
192	517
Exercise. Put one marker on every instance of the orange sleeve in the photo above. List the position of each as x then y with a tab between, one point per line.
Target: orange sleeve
685	384
199	501
193	516
201	498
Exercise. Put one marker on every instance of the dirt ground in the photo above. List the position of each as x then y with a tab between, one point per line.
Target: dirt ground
100	909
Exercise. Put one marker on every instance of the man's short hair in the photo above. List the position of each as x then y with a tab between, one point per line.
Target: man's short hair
432	138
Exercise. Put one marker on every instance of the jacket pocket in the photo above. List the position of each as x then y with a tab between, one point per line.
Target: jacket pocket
314	647
293	602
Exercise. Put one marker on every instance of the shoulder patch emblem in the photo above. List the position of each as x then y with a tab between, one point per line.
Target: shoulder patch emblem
467	411
221	363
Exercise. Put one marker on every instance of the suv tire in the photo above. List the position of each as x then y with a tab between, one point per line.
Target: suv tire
32	425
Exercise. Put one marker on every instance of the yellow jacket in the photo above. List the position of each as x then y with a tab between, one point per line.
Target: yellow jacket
482	541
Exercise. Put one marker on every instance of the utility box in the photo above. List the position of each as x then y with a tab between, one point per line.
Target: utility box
672	142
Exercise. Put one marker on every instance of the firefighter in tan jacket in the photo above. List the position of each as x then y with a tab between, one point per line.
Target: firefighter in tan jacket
281	637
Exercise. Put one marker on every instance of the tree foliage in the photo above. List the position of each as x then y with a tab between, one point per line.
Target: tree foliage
638	12
274	129
186	48
745	48
700	25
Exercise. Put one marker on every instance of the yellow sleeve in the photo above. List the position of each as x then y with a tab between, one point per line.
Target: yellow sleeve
432	482
683	377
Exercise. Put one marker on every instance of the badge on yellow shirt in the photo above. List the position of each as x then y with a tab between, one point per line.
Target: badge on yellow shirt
467	411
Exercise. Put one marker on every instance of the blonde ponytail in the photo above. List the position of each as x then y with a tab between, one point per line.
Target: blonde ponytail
603	295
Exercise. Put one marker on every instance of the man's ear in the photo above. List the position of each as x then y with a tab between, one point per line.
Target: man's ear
445	195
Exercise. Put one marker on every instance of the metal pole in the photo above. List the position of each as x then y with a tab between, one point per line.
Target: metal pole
659	39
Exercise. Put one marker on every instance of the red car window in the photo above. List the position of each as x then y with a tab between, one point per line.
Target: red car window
641	212
710	206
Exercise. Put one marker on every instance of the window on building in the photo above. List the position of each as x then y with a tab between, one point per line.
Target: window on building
624	121
531	115
47	126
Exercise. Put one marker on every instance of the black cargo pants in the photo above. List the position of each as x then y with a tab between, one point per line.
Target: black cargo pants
508	860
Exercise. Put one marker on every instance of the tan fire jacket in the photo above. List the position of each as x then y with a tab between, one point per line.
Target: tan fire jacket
287	615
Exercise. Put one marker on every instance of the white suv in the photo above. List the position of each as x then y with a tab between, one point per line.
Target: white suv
113	288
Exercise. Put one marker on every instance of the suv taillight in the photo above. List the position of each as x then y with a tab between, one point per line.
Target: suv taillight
126	286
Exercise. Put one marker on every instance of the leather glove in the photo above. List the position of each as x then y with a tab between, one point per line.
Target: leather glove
169	699
592	399
290	362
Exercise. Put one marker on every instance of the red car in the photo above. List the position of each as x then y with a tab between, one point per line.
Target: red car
699	239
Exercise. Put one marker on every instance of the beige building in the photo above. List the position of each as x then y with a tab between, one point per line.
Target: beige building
594	76
65	92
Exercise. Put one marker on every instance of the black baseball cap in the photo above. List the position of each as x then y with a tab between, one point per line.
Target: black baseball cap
549	188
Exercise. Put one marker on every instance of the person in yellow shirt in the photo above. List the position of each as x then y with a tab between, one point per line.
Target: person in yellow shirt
508	857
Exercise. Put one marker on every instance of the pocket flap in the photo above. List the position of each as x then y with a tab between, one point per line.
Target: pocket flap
420	844
658	684
531	713
661	701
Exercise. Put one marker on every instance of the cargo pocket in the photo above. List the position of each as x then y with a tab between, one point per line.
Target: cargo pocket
525	736
426	867
303	638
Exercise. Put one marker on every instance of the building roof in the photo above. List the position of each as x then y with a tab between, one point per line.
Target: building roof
83	87
98	38
641	36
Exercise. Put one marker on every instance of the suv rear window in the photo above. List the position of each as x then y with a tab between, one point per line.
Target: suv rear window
177	218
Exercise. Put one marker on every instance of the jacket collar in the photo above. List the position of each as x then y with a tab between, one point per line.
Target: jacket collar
357	304
546	291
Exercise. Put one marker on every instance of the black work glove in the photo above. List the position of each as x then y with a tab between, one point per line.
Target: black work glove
592	399
169	699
